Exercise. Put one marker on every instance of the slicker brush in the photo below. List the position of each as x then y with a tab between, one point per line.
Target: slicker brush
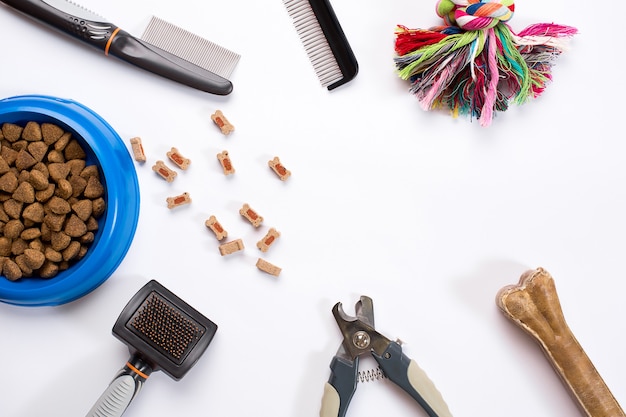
163	333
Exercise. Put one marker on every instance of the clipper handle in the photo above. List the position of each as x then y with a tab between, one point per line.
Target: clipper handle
405	373
122	390
340	388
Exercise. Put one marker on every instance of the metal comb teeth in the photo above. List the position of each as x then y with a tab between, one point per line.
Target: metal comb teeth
165	327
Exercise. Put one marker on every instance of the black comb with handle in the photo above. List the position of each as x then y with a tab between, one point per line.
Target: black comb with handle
162	333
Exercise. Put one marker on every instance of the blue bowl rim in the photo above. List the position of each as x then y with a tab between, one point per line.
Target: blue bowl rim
117	226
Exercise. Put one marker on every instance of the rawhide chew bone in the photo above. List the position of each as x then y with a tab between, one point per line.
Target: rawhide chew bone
534	305
474	64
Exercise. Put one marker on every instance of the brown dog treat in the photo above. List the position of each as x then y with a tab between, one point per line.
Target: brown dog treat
534	306
180	161
222	122
226	163
216	227
278	168
269	238
267	267
179	200
164	171
251	215
231	247
137	148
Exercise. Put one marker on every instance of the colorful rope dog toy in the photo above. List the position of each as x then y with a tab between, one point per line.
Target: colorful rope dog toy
475	64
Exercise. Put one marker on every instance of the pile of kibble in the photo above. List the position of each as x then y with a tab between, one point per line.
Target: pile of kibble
50	200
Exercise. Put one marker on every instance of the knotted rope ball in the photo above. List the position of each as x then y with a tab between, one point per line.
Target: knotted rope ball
474	64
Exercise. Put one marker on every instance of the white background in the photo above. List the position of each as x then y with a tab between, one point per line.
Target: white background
428	215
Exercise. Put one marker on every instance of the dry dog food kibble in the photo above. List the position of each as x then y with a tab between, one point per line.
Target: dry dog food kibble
137	147
50	200
222	122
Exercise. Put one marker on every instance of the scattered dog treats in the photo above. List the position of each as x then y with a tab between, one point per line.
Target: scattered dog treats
227	165
267	267
137	147
251	215
51	200
164	171
231	247
178	200
216	227
180	161
265	243
222	122
279	168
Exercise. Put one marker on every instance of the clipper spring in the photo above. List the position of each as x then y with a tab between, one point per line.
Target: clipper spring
371	375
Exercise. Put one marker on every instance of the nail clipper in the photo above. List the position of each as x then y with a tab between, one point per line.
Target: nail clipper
360	338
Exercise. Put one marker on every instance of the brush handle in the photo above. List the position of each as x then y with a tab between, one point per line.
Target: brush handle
534	306
122	390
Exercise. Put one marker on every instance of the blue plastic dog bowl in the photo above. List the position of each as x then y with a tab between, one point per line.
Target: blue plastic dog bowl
117	226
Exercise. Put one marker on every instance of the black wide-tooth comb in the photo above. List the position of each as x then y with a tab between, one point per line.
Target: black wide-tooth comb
162	333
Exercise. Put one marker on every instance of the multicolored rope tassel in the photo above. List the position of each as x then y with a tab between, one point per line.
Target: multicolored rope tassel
475	64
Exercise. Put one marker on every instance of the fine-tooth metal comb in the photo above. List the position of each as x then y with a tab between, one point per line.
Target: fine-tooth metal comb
324	41
191	47
162	332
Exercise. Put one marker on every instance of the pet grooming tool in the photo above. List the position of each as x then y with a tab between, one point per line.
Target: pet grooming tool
162	333
534	306
324	41
360	338
190	69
